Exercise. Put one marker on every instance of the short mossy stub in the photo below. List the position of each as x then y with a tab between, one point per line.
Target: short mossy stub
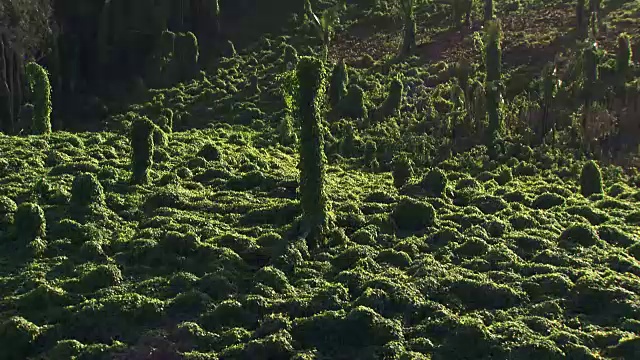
590	179
142	149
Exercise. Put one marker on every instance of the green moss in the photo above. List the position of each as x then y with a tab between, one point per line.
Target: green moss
579	234
18	337
100	277
547	201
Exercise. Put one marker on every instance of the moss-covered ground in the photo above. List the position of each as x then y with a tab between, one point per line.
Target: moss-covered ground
503	257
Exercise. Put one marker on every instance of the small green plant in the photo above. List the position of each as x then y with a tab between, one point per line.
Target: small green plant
310	74
142	149
591	179
338	84
40	90
402	170
166	120
87	190
30	223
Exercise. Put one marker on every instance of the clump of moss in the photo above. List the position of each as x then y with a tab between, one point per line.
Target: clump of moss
547	201
331	331
40	90
18	337
435	183
209	152
87	190
402	170
8	208
101	277
30	223
142	146
413	215
591	179
580	234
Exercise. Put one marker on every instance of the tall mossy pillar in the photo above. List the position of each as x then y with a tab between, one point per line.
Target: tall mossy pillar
11	84
40	95
315	222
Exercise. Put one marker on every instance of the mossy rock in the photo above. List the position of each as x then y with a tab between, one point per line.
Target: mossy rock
101	277
66	349
87	190
486	294
399	259
413	215
228	314
18	338
594	216
30	222
547	200
330	331
210	152
489	204
435	183
579	234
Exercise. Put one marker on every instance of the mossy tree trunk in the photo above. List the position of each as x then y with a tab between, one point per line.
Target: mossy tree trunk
409	39
493	66
314	203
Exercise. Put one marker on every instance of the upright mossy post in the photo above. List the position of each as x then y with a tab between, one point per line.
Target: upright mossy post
493	66
489	10
142	149
590	179
40	89
167	44
290	57
310	74
338	84
392	103
623	61
409	38
187	53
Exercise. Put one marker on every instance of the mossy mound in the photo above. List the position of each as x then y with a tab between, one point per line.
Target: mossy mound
413	215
